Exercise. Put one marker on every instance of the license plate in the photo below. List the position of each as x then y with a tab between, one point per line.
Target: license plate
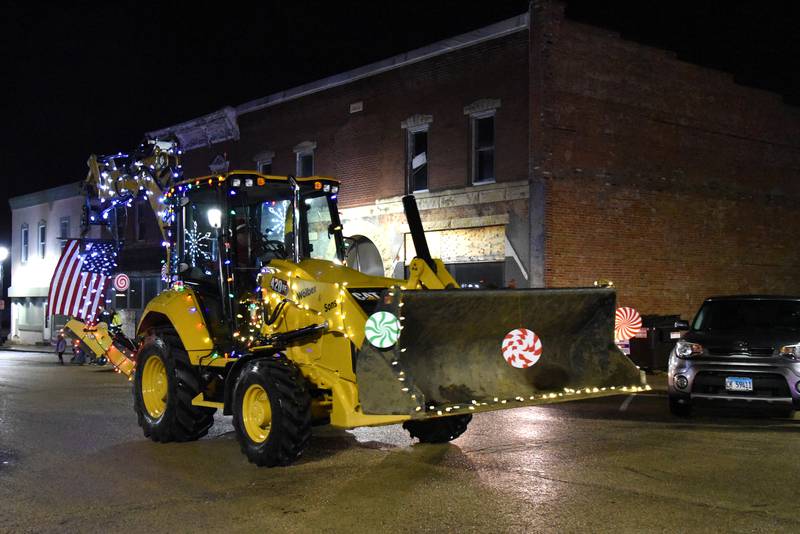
674	335
735	383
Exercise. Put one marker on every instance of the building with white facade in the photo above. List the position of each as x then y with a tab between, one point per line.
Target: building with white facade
41	221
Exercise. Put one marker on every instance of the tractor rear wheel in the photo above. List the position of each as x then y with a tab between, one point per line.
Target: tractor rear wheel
439	429
272	411
163	388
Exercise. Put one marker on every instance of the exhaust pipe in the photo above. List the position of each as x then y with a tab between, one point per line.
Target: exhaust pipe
417	232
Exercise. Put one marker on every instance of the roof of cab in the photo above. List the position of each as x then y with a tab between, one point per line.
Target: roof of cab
268	177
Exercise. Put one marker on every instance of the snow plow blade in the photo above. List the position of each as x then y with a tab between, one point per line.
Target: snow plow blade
449	358
100	342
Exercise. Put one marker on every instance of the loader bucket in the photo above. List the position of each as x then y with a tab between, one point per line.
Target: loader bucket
450	355
97	339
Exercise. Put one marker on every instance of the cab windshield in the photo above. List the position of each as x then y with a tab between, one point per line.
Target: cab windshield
262	219
262	222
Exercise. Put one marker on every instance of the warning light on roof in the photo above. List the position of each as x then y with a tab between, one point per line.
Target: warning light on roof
261	181
317	185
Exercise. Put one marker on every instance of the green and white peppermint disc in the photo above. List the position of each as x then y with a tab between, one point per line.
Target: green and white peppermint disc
382	329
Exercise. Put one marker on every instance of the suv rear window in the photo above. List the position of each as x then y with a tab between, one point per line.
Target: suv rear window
748	314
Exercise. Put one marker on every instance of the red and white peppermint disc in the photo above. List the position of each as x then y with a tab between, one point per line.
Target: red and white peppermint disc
122	282
522	348
627	323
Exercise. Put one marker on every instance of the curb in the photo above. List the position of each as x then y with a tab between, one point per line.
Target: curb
28	349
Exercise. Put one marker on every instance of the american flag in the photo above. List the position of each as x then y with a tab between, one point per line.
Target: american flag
82	277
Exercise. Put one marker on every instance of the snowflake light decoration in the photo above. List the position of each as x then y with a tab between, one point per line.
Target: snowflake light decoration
197	245
276	220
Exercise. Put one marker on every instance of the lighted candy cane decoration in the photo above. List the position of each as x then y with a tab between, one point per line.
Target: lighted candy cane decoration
626	324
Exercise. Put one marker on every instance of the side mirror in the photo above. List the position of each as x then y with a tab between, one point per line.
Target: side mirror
362	255
682	325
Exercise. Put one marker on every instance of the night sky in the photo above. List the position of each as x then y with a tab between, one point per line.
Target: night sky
84	77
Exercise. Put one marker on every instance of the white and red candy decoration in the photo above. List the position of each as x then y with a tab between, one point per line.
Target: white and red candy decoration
522	348
627	323
122	282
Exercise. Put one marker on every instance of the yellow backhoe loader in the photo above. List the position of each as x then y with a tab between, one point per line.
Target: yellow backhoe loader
265	321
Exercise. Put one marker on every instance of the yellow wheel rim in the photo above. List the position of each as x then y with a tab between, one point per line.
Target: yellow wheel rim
154	386
256	413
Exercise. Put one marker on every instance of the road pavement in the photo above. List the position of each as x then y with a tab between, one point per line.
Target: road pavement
72	459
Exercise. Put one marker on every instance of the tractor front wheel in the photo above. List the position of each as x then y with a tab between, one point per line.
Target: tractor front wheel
439	429
163	388
272	412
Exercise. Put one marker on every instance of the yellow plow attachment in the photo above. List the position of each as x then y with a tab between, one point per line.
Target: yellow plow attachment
479	350
101	343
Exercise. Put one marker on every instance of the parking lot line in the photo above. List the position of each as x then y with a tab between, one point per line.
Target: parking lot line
626	402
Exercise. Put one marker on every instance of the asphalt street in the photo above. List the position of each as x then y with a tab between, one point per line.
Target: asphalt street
72	459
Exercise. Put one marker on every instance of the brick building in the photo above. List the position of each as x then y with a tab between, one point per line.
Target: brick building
543	152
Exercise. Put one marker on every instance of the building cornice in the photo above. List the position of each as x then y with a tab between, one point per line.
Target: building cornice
222	125
445	46
46	195
203	131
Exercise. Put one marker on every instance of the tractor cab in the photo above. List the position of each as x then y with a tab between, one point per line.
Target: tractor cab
228	228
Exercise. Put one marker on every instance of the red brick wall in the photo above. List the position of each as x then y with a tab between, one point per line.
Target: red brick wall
667	178
366	150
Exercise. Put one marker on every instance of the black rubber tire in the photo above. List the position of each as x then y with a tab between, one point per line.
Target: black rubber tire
290	402
439	429
679	409
180	421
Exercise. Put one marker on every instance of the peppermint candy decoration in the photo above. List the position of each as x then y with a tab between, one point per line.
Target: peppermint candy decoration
521	348
122	282
627	323
382	329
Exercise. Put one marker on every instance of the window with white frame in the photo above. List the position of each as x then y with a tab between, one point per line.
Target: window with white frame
63	228
305	158
264	161
483	147
417	128
42	248
23	254
417	159
482	118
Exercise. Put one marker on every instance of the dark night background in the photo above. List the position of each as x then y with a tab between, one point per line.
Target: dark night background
93	78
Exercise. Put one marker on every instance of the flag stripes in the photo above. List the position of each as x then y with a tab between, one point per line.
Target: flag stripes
81	279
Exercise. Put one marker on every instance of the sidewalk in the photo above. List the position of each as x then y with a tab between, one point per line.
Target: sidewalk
45	349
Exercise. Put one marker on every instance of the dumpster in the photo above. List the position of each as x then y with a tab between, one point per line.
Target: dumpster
650	347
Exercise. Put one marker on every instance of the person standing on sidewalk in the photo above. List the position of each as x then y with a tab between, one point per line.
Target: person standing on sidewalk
61	346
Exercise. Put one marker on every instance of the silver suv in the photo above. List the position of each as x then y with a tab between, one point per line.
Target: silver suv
739	349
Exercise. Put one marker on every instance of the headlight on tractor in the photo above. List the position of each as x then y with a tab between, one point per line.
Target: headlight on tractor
791	351
685	349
